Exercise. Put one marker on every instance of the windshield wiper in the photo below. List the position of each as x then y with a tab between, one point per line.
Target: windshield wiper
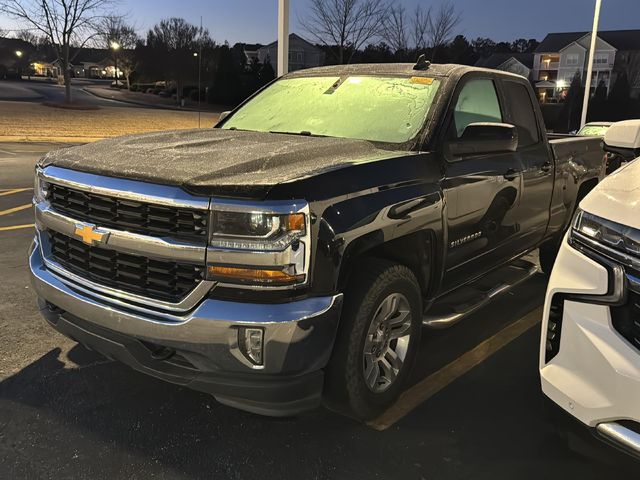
304	133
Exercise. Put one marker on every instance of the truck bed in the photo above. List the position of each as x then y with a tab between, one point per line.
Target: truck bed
584	151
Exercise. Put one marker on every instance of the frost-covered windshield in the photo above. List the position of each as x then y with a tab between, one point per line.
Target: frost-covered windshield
382	109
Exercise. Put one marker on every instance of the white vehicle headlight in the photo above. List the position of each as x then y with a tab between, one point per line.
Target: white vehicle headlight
610	234
259	246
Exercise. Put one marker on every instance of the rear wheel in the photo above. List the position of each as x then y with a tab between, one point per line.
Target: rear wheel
377	342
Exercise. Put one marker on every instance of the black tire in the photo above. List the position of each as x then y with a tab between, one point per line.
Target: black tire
345	387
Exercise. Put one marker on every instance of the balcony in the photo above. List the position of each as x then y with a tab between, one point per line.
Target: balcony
544	65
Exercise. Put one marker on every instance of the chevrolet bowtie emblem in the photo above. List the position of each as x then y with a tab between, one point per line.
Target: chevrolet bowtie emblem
90	235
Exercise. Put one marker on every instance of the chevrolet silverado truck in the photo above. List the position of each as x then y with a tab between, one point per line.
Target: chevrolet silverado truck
291	256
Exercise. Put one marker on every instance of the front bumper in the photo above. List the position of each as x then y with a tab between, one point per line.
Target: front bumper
595	373
298	340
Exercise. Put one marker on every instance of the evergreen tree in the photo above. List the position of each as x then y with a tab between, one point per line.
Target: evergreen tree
619	101
569	119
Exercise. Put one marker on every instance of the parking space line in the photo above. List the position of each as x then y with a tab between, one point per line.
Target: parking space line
16	227
14	190
435	382
15	209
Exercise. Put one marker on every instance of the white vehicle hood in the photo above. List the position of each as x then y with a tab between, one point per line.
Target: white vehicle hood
617	197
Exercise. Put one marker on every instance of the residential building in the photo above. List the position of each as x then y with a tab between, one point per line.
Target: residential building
518	63
302	54
250	51
562	56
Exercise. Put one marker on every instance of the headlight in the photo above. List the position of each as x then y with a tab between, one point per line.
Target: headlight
259	245
611	234
256	230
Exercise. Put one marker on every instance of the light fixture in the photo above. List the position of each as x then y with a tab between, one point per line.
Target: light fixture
114	46
250	341
19	53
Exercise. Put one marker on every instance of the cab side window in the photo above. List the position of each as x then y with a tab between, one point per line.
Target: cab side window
477	102
522	113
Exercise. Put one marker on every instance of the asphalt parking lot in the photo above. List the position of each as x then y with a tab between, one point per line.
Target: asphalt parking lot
475	411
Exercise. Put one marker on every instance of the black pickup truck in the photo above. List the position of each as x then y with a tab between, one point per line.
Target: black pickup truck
292	255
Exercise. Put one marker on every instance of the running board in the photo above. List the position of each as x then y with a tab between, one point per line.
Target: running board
460	303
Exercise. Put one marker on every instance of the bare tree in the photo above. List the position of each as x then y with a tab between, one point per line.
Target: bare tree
442	24
62	22
394	28
173	42
28	36
121	39
421	24
346	24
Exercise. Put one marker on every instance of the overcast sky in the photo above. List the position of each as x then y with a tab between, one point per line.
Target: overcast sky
254	21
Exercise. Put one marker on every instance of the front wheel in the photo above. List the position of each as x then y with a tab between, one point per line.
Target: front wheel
377	342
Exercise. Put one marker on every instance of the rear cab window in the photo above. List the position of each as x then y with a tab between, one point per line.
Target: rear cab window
522	113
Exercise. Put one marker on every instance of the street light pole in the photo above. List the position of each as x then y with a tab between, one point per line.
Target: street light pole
115	46
592	49
19	68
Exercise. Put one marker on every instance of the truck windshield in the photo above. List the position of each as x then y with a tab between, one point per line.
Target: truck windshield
382	109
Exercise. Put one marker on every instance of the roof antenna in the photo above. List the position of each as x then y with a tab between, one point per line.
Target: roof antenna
422	63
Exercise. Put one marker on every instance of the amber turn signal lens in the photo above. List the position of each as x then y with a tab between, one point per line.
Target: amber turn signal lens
252	275
295	222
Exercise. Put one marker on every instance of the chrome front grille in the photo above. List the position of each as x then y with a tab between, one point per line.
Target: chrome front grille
137	243
160	279
626	318
130	215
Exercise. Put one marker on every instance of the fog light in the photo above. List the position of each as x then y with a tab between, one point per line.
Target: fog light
250	341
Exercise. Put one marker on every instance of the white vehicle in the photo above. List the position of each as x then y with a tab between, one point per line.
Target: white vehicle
590	348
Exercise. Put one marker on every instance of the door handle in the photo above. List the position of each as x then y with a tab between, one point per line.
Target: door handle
511	174
546	167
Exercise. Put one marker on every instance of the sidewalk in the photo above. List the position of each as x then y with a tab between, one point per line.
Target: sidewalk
150	100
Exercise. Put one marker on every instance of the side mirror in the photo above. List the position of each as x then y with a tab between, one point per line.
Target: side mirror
223	115
485	137
623	138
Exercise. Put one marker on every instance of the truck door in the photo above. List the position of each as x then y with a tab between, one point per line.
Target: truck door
534	155
482	192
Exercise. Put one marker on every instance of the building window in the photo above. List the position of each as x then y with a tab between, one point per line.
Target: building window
601	59
572	59
296	57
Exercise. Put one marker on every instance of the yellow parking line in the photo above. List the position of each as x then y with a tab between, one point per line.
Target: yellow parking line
435	382
16	227
14	190
14	209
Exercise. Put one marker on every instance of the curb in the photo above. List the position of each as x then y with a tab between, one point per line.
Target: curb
29	138
147	105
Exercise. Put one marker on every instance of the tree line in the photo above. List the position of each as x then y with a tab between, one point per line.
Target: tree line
179	53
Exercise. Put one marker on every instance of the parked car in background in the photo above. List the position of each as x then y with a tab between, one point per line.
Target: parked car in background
594	129
622	152
590	348
291	255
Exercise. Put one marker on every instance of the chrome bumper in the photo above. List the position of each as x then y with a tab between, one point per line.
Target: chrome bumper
298	336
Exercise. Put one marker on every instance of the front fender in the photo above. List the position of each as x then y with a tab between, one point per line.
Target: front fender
402	224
